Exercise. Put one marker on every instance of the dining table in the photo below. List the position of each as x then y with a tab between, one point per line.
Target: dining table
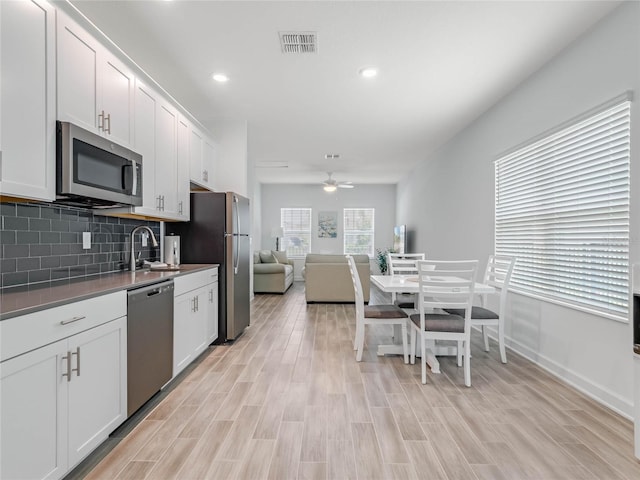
409	284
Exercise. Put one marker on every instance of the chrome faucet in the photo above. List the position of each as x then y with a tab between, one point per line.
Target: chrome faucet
154	242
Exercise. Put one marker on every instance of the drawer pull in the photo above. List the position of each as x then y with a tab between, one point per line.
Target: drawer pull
71	320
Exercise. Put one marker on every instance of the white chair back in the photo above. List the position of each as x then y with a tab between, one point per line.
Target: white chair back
403	263
357	287
498	275
447	284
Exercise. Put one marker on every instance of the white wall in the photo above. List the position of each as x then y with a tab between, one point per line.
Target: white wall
380	197
455	189
231	156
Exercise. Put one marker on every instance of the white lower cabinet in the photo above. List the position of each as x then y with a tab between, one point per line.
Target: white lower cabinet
97	395
195	319
61	400
34	401
189	328
212	311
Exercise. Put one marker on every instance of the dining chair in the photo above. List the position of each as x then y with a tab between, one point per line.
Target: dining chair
374	315
498	275
403	264
444	284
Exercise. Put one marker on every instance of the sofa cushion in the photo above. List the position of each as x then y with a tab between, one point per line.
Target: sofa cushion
270	268
266	256
328	279
256	257
281	257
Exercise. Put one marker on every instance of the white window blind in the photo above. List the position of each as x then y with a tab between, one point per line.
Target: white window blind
562	209
359	230
296	224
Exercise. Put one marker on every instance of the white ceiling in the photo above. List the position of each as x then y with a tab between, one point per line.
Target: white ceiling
442	64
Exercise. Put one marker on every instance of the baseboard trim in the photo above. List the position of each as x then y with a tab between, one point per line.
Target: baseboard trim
591	389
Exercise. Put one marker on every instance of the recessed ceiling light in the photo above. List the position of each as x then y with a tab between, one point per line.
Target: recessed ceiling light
368	72
220	77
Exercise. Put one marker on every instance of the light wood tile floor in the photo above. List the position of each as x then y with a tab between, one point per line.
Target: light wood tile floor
288	400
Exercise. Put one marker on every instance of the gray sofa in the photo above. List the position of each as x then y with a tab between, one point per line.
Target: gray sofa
272	272
327	278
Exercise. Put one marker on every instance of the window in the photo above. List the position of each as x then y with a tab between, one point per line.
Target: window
562	209
296	224
359	230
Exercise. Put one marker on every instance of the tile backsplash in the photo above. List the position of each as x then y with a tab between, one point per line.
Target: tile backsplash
41	242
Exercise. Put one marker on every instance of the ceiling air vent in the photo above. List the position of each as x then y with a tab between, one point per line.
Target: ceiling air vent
298	42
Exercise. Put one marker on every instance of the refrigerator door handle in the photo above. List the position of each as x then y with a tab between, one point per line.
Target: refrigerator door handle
236	230
236	260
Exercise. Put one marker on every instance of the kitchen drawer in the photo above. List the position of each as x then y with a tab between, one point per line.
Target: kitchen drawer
191	281
21	334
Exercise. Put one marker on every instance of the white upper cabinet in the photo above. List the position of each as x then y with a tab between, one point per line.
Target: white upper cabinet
156	139
195	156
145	142
201	159
27	100
167	159
95	89
183	189
208	163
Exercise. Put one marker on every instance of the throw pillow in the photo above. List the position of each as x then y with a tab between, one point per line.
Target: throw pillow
281	257
267	257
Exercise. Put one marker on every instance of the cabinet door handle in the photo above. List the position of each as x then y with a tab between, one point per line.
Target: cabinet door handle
67	357
71	320
193	304
211	295
77	369
163	203
101	121
180	207
107	120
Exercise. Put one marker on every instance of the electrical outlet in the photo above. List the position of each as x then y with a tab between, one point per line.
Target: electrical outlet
86	240
145	239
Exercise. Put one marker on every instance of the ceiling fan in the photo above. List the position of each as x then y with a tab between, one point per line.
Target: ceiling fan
330	184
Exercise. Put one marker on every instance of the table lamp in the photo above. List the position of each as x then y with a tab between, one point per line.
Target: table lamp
277	233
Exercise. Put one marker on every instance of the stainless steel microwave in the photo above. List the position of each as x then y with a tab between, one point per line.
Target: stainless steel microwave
93	171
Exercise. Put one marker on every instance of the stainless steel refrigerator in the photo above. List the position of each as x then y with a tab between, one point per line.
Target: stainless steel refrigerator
219	233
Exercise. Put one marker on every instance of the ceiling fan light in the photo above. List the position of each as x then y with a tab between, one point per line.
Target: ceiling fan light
330	188
368	72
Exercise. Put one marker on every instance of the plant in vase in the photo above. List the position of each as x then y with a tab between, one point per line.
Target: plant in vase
381	259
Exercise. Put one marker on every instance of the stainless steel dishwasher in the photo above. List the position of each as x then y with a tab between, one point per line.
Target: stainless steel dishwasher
149	342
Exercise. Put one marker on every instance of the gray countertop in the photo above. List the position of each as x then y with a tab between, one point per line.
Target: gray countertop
17	301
